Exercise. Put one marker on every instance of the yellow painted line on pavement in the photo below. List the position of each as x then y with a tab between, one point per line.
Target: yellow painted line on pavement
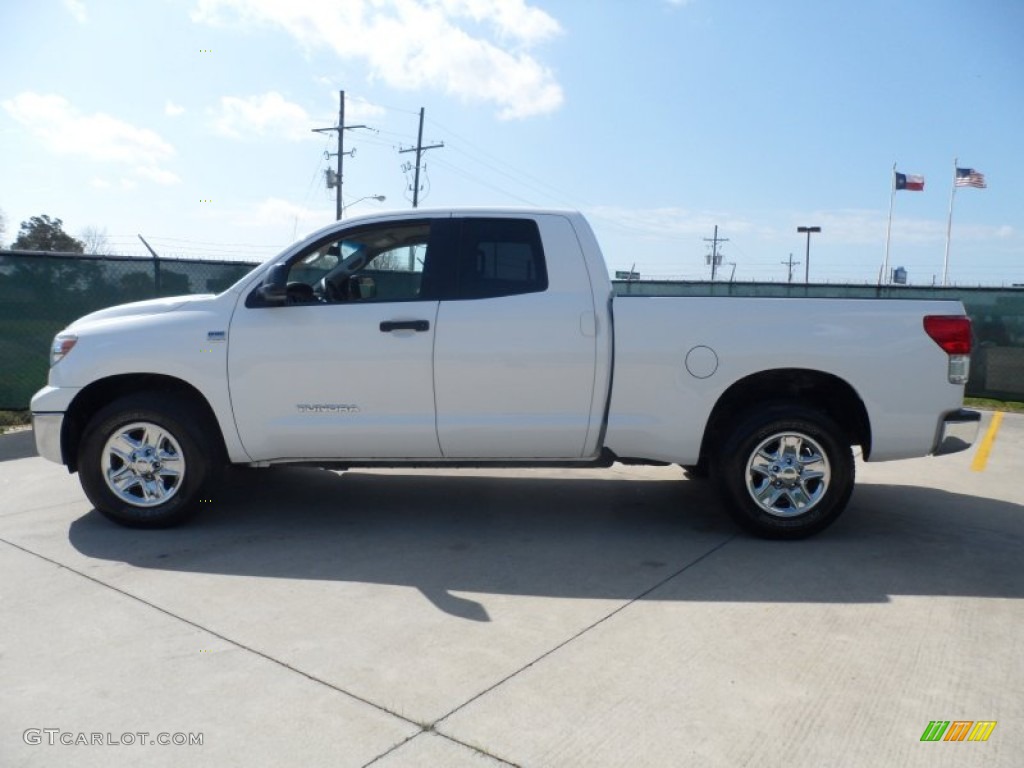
981	457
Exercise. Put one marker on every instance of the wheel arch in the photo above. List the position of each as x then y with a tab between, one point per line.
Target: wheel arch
810	388
103	391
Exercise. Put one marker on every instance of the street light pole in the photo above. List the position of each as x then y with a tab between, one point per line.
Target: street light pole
378	198
807	255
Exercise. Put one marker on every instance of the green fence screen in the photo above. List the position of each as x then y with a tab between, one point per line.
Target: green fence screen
40	293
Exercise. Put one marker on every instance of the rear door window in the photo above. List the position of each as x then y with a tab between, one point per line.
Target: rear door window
500	257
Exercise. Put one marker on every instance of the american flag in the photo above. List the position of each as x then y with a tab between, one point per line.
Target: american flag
968	177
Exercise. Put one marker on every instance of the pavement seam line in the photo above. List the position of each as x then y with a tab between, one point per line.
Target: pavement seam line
395	747
431	729
220	636
581	632
478	750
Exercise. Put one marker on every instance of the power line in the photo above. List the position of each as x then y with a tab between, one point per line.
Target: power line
561	195
467	175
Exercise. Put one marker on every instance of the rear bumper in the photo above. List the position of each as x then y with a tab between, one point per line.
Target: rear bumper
47	430
957	432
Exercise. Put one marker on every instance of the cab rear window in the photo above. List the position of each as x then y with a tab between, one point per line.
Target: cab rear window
500	257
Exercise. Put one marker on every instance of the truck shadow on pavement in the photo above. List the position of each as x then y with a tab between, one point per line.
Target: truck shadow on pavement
16	445
604	538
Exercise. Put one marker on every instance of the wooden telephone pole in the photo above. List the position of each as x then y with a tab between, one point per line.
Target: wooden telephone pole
419	149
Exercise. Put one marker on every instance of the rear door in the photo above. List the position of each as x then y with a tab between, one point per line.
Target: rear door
515	347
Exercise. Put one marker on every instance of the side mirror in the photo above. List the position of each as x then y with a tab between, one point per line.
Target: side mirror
274	289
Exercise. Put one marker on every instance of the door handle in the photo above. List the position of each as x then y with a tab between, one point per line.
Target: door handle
419	326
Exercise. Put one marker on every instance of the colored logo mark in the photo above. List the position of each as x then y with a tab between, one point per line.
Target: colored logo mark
958	730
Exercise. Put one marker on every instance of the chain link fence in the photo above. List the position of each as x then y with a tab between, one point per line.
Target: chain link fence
40	293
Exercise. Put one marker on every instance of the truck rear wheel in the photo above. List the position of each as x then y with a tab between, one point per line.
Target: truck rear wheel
143	461
786	472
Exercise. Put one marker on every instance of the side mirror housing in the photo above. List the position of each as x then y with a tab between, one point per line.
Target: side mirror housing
274	289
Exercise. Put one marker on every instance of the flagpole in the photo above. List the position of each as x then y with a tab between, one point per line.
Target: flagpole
949	228
888	229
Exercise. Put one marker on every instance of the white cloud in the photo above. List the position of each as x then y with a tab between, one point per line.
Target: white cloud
99	137
510	18
159	175
867	227
173	110
124	184
275	210
262	115
476	50
671	223
278	219
77	9
360	109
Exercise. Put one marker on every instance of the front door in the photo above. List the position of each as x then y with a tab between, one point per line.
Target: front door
345	368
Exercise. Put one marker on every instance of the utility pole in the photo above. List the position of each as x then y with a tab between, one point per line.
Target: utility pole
340	128
790	264
419	149
714	251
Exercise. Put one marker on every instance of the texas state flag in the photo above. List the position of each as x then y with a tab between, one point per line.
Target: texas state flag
909	182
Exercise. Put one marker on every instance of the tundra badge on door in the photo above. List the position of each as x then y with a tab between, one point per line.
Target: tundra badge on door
327	408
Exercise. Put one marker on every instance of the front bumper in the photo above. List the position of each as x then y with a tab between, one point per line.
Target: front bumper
957	432
47	429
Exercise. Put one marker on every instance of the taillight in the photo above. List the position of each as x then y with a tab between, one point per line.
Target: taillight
953	334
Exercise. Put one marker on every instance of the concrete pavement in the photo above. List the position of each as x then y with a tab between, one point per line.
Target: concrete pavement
541	618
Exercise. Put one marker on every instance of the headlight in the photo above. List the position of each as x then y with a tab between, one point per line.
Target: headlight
62	344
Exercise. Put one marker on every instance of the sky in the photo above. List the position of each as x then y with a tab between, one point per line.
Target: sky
190	122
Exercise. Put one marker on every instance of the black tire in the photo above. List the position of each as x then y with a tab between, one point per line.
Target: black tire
699	471
766	472
174	441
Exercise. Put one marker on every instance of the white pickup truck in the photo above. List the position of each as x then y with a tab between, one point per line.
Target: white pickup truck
493	338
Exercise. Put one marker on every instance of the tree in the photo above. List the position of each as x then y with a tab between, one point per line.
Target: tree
41	233
96	242
3	228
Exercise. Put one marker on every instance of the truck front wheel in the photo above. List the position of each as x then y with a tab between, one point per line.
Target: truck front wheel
143	461
786	472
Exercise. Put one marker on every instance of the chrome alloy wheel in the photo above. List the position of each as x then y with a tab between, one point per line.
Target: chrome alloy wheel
788	474
142	464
